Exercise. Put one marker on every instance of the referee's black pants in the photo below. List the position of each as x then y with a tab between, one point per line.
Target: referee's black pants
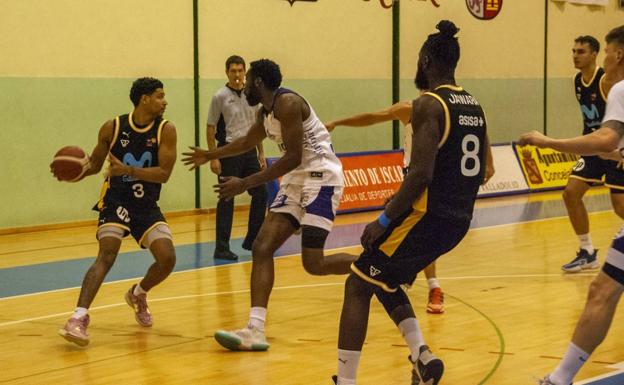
241	166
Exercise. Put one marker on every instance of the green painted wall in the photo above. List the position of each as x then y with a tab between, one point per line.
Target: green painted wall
42	115
67	70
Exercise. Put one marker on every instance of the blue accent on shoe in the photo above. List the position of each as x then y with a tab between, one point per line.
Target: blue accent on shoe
583	261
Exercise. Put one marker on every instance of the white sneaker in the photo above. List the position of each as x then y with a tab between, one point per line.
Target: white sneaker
247	338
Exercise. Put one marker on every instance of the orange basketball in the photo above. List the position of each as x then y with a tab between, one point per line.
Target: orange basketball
69	164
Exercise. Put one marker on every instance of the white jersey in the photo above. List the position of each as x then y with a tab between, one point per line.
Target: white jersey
319	164
615	107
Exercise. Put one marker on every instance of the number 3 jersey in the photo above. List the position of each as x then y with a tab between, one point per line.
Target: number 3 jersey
460	163
136	147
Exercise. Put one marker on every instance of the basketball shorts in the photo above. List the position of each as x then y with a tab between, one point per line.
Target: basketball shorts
592	169
415	248
614	264
134	220
309	205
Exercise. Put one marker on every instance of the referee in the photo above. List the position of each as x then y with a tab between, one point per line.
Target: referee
229	118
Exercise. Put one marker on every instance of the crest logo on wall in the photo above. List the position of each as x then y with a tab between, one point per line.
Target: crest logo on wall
484	9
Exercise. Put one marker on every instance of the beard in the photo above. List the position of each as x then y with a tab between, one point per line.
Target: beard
421	81
253	98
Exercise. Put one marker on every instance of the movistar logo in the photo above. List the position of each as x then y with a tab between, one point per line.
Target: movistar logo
590	113
144	161
130	160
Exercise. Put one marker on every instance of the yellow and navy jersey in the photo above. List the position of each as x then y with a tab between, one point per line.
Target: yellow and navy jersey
592	100
136	147
460	163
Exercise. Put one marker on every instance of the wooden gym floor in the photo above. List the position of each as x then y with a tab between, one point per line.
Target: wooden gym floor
510	312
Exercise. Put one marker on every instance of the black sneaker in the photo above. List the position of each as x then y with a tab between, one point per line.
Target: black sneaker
225	254
427	369
583	261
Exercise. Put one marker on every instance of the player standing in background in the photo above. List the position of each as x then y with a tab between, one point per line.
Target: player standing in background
591	93
606	289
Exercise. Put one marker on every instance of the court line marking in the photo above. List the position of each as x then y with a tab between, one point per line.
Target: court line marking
298	254
189	296
619	369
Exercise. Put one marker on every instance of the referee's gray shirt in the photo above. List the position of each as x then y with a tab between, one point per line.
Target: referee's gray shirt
237	114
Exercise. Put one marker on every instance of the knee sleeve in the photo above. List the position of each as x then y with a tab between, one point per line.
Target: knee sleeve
391	301
158	232
110	231
313	237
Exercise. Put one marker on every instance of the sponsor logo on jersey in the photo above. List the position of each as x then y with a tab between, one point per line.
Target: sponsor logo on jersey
579	165
374	271
124	142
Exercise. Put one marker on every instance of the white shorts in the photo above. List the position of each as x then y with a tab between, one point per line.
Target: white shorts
614	266
310	205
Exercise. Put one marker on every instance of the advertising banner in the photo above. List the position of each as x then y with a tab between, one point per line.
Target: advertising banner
545	168
370	179
508	178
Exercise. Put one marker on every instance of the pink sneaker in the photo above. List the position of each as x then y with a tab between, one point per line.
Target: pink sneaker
75	330
139	304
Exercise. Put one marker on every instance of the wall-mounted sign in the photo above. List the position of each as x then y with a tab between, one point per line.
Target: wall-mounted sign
484	9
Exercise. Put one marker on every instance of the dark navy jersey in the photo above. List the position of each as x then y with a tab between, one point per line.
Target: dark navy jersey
592	99
135	147
460	163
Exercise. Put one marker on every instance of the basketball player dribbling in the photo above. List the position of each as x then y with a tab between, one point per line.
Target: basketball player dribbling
141	147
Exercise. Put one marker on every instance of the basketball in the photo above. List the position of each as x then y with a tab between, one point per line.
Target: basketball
69	164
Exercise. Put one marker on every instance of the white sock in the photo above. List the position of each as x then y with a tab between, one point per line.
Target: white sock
586	243
348	362
138	290
410	329
257	317
572	362
79	312
433	283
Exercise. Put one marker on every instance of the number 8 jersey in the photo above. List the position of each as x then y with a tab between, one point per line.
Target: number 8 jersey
136	147
460	164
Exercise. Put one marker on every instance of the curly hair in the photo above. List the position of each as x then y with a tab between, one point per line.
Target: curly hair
143	86
443	46
268	71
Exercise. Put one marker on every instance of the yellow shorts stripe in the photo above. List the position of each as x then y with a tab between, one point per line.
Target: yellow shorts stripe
103	190
391	244
370	280
586	179
614	186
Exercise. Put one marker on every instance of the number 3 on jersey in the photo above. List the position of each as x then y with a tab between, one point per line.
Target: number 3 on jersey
470	162
138	190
